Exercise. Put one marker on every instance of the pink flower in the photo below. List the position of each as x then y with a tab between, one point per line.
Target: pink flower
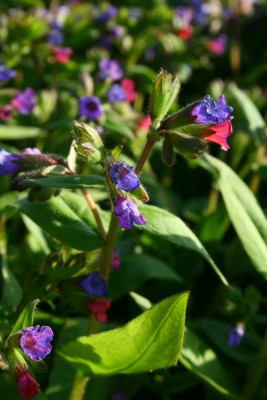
217	45
98	309
5	112
129	88
144	123
27	385
62	54
219	133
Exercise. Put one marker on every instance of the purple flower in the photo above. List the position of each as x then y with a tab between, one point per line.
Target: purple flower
127	213
55	37
110	13
6	73
115	31
217	45
94	284
32	151
35	341
210	112
110	69
116	93
24	101
123	176
90	107
185	14
115	261
8	163
235	335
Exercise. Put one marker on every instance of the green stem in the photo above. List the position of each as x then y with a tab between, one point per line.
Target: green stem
151	140
80	381
78	387
256	371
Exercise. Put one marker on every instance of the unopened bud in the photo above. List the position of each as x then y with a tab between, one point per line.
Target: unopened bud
164	91
87	143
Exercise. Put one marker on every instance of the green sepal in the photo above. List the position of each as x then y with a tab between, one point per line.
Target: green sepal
168	153
164	91
179	119
188	146
87	143
141	194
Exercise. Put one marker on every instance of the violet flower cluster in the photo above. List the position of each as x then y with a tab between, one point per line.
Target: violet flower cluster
235	336
90	107
124	178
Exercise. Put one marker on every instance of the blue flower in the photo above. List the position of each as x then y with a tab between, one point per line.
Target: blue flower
24	101
116	93
127	213
35	341
8	163
210	112
235	335
6	73
123	176
94	284
55	37
90	107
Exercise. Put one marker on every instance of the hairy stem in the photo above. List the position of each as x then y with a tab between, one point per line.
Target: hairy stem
95	212
151	140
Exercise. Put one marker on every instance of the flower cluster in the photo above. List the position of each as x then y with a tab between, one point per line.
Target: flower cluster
23	103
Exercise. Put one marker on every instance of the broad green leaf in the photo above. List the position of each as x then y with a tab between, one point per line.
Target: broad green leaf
19	132
37	234
26	317
135	270
249	115
151	341
199	358
65	217
173	229
69	182
244	211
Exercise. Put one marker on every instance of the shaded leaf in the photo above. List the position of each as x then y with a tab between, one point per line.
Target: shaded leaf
26	317
244	211
69	182
135	271
173	229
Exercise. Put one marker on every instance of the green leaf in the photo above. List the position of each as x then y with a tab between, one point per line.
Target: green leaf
26	317
117	127
11	291
19	132
199	358
248	114
244	211
173	229
151	341
66	217
136	270
69	182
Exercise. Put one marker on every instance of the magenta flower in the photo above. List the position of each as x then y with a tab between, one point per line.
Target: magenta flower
210	112
6	73
94	284
128	86
217	45
27	385
110	69
5	112
115	261
235	335
98	309
24	101
62	54
90	107
127	213
35	341
123	176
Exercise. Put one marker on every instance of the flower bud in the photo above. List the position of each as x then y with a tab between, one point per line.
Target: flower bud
168	154
88	143
27	385
164	91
